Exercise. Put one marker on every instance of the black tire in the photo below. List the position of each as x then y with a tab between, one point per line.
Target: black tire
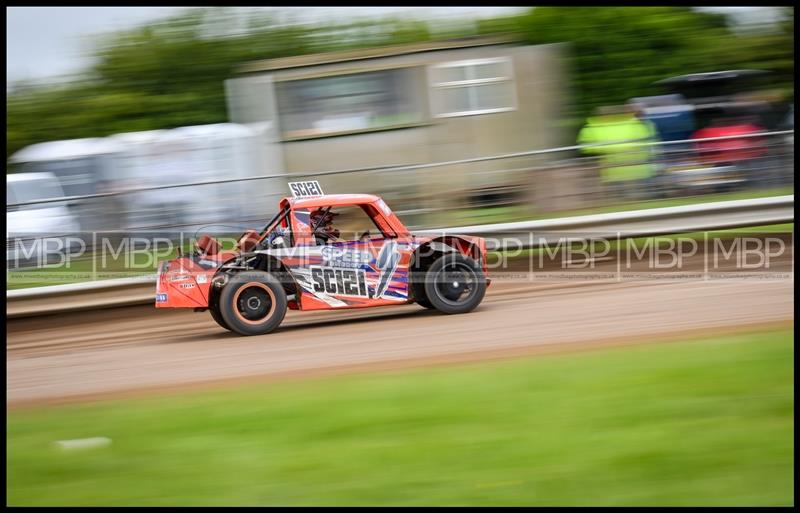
213	307
425	304
418	289
252	303
455	284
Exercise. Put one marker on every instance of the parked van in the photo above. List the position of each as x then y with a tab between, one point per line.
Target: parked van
82	167
29	225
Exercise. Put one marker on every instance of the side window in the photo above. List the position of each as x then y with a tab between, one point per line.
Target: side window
378	219
470	87
353	223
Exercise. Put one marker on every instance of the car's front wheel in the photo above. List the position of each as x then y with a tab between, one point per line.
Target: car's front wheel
252	303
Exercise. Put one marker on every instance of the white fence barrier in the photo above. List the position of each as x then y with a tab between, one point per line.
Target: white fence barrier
638	223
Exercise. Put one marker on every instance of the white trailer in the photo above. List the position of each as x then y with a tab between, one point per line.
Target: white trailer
161	158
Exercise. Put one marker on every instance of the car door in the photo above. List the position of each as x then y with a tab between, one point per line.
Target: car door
355	271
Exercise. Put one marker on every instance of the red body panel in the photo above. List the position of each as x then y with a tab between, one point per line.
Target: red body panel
184	282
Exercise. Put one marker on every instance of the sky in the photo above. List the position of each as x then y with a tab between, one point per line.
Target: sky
46	42
43	42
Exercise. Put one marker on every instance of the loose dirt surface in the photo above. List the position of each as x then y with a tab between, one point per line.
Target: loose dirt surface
132	350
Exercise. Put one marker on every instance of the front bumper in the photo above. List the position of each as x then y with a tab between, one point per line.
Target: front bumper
181	283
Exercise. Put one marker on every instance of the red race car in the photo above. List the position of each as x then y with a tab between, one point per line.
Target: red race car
301	262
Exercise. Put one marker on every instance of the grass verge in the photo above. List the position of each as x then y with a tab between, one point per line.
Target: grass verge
699	422
613	245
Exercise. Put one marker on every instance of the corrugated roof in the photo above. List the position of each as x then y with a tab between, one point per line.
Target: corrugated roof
369	53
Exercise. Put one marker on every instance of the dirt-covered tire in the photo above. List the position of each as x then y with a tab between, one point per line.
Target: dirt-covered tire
418	289
213	308
425	304
455	284
252	303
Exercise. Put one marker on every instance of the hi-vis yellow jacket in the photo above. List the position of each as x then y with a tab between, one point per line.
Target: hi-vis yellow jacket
626	160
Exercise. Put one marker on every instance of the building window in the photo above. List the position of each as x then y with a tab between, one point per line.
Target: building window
347	103
465	88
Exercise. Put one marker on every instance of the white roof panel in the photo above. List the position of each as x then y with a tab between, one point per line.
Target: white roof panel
63	150
25	177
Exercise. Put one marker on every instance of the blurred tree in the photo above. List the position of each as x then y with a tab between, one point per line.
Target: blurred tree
771	49
170	73
618	52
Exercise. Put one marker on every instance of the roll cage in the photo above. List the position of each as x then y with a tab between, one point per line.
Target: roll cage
384	220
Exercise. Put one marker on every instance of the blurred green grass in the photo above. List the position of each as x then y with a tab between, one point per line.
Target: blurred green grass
600	247
507	214
95	267
698	422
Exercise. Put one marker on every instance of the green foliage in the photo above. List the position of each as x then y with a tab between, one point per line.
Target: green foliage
618	52
171	73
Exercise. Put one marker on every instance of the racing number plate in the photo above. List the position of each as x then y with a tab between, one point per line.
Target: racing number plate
305	189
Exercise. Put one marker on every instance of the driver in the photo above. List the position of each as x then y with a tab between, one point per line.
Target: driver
279	237
324	232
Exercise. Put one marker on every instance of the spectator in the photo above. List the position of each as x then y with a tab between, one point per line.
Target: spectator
744	153
626	165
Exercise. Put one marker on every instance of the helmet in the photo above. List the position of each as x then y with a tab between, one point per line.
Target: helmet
322	223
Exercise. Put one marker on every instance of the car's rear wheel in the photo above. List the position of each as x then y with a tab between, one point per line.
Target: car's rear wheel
213	307
253	303
417	279
425	304
455	284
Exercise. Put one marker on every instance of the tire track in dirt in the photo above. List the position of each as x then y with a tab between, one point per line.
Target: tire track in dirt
116	352
139	349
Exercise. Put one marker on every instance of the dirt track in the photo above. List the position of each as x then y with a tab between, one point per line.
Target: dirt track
139	349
